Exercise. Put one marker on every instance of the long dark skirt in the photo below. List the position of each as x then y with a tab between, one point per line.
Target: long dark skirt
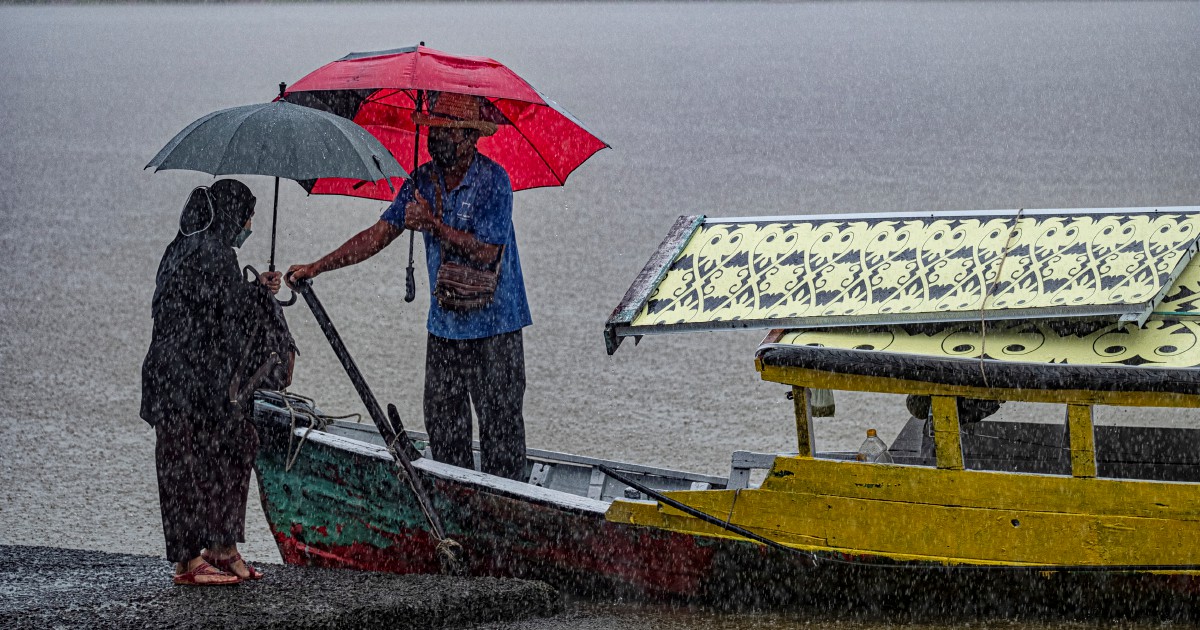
488	373
203	477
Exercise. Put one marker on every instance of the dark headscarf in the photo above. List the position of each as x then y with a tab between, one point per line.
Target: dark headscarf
222	208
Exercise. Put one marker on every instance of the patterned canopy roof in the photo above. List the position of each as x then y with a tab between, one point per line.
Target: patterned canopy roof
1117	265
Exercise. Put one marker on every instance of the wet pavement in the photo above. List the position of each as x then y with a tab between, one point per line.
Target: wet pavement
44	587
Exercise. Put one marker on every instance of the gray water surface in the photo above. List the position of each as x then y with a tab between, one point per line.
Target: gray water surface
727	109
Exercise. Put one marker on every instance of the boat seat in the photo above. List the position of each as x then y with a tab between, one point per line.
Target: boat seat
743	465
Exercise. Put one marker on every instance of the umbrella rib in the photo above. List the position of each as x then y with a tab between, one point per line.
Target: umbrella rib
225	153
402	108
391	105
538	152
374	98
569	116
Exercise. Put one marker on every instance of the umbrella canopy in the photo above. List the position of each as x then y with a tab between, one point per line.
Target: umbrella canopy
281	140
278	139
538	142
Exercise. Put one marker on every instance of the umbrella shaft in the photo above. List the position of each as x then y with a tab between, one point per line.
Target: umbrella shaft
274	219
410	284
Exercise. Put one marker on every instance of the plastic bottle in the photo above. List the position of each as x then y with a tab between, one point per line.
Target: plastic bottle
873	450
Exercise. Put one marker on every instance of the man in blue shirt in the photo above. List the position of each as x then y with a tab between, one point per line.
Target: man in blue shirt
473	356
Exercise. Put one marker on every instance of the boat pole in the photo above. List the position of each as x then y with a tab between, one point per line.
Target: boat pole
449	552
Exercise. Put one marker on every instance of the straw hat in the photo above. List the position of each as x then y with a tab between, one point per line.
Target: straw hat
460	111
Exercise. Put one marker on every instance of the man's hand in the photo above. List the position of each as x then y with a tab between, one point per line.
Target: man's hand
270	280
300	272
418	216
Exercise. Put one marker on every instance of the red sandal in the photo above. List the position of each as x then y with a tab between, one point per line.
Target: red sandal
205	575
226	565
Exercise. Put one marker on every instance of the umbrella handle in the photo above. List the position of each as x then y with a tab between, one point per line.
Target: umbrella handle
299	284
410	286
288	302
410	279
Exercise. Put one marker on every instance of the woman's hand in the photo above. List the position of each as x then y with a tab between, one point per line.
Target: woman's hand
271	279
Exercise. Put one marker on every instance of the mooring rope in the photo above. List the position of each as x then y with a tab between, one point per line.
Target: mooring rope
447	551
729	517
988	292
316	421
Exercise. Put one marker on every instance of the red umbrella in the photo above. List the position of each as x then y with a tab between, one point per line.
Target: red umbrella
538	142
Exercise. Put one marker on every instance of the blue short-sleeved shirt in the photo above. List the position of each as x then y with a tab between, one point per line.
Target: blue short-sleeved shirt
482	206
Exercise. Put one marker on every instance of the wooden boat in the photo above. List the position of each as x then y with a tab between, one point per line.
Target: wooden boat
1075	308
341	505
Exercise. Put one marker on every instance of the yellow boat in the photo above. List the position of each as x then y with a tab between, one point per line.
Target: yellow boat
1079	308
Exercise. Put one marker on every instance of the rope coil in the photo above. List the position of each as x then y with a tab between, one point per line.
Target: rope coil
316	421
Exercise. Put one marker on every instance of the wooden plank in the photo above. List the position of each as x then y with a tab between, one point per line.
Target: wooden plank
946	438
940	533
991	374
648	279
805	440
854	382
986	489
1083	440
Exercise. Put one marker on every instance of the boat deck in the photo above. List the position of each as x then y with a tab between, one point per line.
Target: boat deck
573	474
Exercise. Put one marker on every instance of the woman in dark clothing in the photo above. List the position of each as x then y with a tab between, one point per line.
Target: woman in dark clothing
205	446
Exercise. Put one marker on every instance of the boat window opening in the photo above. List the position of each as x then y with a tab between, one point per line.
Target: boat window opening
1162	417
840	436
1126	442
1151	443
1018	437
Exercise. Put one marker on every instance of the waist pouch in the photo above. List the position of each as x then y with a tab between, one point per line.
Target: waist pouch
463	288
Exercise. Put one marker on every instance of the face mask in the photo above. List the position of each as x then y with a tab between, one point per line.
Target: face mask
241	237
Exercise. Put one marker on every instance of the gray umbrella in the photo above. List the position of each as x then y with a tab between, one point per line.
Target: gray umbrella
278	139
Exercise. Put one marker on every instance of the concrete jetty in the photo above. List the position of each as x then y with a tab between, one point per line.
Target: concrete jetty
47	587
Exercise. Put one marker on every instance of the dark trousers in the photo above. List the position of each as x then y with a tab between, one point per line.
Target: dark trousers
490	374
203	476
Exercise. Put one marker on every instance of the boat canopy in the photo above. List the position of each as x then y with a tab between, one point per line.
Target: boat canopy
1116	265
